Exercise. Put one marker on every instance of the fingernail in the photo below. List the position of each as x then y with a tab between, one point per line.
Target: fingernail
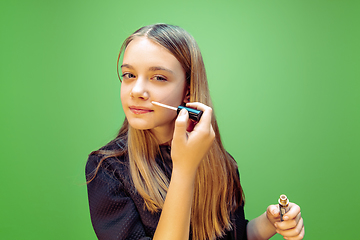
275	224
182	112
286	218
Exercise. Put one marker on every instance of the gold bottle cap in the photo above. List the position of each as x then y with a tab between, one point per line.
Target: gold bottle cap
283	200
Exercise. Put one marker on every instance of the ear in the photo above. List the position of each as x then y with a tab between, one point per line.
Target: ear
187	95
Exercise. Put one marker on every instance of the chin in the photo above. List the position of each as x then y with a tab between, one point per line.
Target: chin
140	125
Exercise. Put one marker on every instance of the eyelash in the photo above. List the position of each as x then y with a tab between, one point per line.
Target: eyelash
162	78
157	77
127	75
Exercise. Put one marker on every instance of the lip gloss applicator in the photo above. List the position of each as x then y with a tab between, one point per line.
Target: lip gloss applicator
194	114
283	205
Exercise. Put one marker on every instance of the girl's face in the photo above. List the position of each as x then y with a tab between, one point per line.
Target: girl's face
151	73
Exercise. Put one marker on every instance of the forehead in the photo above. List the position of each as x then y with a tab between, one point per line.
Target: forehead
142	51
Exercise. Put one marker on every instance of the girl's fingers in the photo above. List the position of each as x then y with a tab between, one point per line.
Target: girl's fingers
189	148
207	112
298	237
293	212
273	211
203	129
292	227
294	233
288	224
181	125
301	235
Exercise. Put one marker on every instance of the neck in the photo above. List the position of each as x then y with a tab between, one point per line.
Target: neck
164	134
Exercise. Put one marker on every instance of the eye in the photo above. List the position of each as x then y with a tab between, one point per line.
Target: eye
159	78
127	75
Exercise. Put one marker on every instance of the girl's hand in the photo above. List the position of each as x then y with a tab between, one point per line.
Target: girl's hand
189	148
293	225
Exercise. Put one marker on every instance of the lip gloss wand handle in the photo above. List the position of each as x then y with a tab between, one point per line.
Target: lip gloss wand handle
194	114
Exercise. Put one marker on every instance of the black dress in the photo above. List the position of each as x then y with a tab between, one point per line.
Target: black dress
117	210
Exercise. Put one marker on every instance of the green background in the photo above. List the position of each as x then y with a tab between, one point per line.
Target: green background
284	78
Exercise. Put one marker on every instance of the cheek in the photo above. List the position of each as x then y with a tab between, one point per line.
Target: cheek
123	93
173	96
176	98
165	116
124	98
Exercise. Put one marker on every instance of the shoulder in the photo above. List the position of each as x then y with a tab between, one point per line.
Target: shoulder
116	144
116	147
111	159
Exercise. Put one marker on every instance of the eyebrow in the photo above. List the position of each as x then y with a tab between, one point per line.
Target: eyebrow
126	66
155	68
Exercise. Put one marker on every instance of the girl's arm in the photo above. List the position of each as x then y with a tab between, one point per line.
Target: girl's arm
188	149
267	224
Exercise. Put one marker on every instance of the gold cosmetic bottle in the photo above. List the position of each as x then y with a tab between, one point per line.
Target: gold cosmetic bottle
283	205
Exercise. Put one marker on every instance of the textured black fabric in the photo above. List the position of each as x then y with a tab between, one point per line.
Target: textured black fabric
117	210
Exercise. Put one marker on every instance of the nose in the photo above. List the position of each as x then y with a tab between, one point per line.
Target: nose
139	89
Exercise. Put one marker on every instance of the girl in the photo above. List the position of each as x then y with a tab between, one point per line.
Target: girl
165	176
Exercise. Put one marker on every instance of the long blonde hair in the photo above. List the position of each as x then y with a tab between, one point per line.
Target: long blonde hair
217	187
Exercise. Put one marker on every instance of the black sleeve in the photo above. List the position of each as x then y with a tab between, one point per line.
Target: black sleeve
240	224
238	219
113	213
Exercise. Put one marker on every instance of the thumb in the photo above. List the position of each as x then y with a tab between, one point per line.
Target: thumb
273	211
181	125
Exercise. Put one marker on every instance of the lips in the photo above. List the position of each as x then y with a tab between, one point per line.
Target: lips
139	110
